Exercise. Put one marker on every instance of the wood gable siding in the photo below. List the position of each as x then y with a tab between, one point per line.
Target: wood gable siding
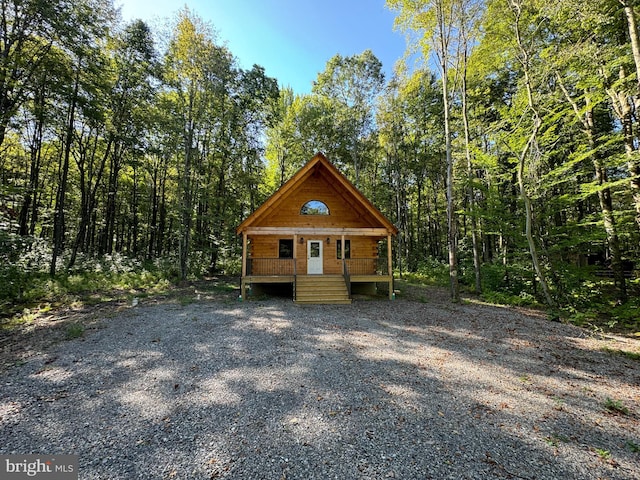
318	180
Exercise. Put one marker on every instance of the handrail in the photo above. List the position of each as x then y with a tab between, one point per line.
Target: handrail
347	276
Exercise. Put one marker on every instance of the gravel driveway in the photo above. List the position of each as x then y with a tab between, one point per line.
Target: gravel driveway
373	390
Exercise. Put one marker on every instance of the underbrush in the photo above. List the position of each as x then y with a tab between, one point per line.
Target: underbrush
22	294
27	287
583	298
28	295
591	301
430	272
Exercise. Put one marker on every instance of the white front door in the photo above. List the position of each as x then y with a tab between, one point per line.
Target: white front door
314	257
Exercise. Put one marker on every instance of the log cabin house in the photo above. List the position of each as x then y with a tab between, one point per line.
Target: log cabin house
320	235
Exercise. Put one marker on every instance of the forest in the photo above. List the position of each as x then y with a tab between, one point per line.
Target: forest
505	147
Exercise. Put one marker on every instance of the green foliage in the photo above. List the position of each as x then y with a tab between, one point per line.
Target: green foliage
591	301
511	284
20	262
186	300
92	280
430	272
172	145
624	353
588	300
616	407
524	299
626	314
555	439
75	330
229	263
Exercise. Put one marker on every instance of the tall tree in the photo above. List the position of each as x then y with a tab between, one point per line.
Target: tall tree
28	31
530	150
467	17
281	139
91	20
41	115
581	85
353	84
434	22
631	144
133	66
412	136
186	60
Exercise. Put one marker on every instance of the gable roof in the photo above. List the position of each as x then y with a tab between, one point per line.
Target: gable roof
318	163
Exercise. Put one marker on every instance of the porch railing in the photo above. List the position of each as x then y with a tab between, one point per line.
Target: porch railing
287	266
367	266
271	266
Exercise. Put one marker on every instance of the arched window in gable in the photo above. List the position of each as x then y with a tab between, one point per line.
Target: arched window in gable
314	207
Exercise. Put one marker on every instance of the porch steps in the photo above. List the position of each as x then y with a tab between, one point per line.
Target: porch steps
321	289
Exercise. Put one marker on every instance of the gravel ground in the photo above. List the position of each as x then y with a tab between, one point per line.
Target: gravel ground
377	389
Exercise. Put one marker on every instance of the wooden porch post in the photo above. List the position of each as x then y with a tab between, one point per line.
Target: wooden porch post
295	253
243	285
390	266
343	254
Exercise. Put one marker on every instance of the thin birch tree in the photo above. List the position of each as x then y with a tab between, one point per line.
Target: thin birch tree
433	22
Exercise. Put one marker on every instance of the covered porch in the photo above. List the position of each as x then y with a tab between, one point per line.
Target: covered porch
323	265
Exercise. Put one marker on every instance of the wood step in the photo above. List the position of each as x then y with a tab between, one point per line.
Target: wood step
315	279
326	301
321	289
320	286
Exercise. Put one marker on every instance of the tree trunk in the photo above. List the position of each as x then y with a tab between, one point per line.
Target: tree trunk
109	232
632	162
134	211
153	223
606	207
89	190
526	151
162	222
187	195
58	218
30	204
217	215
452	235
470	177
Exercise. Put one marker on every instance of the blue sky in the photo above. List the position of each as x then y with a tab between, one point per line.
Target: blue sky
291	39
